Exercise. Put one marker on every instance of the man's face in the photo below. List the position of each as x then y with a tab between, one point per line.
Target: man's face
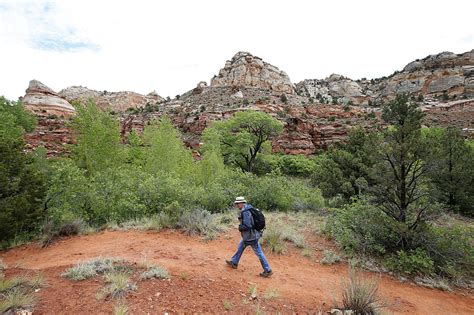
239	205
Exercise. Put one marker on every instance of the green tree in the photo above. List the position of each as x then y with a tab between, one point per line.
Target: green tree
344	169
400	176
245	135
452	172
165	151
135	155
98	139
21	183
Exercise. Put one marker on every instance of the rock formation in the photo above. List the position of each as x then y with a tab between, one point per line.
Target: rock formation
312	122
247	70
115	101
52	112
43	101
445	74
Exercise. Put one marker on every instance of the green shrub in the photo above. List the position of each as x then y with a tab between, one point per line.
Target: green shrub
361	228
22	185
451	250
414	262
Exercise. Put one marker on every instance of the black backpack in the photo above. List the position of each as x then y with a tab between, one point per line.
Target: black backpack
258	219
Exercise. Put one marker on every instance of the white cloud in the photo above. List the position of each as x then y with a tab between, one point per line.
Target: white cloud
169	47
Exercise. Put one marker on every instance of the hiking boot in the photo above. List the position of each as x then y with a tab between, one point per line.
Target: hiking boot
231	264
266	274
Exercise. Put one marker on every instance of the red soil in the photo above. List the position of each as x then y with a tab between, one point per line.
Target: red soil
201	281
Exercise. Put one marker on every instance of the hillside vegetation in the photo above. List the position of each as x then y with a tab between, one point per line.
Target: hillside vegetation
401	196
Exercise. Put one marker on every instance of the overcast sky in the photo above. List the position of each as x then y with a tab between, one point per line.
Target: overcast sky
169	47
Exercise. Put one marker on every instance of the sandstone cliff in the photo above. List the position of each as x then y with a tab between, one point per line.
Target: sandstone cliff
445	75
247	70
311	124
115	101
43	101
52	112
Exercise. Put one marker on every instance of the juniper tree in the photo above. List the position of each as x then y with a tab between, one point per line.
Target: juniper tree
400	176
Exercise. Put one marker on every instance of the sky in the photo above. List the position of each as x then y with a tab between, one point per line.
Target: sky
170	46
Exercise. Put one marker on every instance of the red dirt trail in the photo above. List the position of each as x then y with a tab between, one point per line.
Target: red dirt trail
201	282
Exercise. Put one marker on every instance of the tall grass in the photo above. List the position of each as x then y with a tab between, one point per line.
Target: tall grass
360	294
16	299
118	285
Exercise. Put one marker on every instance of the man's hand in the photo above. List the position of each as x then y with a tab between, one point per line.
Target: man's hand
243	228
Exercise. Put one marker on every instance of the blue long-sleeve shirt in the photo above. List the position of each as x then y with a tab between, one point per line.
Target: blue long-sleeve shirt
249	234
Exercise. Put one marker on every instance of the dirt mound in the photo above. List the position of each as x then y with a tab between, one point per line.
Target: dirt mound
201	281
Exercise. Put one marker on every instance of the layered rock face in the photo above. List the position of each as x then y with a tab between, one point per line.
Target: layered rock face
116	101
43	101
442	74
308	127
247	70
311	124
52	112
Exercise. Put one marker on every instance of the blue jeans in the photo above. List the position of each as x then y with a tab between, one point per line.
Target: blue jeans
257	249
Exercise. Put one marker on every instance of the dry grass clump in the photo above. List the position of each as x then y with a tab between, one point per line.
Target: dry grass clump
118	285
155	272
271	294
273	240
121	309
52	232
201	222
91	268
17	293
153	223
307	252
16	299
227	305
359	294
330	257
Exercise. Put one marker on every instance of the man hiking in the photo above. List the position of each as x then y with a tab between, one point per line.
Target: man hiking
250	237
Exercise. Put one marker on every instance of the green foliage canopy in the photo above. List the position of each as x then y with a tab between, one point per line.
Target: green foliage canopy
21	183
245	135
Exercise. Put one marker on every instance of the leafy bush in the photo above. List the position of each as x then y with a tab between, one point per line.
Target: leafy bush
22	186
413	262
361	228
274	192
451	250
